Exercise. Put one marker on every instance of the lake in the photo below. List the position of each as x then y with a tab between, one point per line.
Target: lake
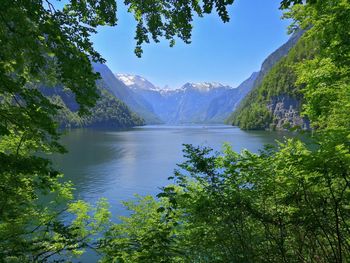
118	164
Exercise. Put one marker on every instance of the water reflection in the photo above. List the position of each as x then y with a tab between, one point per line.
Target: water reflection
117	164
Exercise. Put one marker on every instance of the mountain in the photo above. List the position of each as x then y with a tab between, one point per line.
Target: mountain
135	82
256	103
108	112
217	103
274	101
192	103
221	107
277	55
134	101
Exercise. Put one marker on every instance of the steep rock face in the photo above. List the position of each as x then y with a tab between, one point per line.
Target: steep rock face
67	97
286	113
274	102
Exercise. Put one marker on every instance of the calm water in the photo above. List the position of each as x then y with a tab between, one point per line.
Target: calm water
118	164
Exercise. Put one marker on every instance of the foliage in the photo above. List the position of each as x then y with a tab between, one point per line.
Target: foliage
253	112
287	205
109	112
326	76
42	44
321	80
34	228
284	204
170	19
148	235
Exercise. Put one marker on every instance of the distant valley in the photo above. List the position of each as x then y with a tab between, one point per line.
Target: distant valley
217	103
192	103
265	100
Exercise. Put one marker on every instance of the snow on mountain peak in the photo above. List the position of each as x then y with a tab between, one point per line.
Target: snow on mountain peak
127	79
135	81
204	86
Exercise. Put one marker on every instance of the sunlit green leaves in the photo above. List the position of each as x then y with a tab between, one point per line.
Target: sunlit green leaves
279	205
170	19
42	45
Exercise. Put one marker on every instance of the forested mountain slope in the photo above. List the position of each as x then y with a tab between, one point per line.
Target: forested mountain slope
108	111
125	94
275	101
118	105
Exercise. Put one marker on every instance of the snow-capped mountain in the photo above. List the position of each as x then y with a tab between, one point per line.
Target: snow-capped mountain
204	86
135	81
206	102
120	90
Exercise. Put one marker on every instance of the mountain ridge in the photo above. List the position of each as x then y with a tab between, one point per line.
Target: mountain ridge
191	103
135	102
207	102
274	103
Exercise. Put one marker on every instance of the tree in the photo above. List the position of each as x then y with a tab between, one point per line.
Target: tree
45	45
41	44
284	204
288	204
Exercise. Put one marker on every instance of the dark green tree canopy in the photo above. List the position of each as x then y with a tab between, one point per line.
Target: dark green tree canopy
45	45
284	204
42	44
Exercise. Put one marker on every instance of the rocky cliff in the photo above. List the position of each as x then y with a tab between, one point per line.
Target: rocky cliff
275	102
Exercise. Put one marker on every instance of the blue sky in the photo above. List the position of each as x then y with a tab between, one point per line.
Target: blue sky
226	53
